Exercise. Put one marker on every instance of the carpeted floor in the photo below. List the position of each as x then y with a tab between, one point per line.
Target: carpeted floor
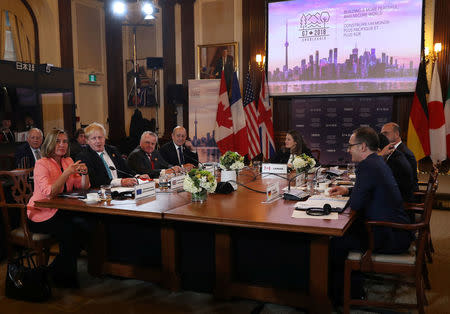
113	295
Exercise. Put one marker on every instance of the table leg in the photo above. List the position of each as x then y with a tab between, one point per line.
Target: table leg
171	278
318	280
97	251
223	263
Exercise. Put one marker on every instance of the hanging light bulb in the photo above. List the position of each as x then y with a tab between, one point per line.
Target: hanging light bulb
119	8
147	9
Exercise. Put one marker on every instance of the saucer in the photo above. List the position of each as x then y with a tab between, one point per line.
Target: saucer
90	202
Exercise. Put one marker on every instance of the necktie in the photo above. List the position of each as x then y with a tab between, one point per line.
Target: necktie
180	152
106	166
151	161
37	153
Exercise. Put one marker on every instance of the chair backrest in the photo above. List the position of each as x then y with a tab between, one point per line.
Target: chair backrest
22	190
316	154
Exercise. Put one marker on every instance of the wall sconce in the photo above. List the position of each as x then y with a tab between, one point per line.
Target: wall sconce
260	61
433	55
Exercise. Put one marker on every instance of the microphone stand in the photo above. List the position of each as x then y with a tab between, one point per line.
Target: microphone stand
297	195
123	172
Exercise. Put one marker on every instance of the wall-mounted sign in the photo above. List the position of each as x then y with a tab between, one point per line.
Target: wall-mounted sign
92	77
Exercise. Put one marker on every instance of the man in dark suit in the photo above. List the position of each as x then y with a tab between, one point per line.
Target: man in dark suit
225	63
145	159
179	152
392	131
104	162
401	169
27	154
78	143
375	196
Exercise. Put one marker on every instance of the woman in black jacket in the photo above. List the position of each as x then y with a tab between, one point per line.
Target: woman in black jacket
293	146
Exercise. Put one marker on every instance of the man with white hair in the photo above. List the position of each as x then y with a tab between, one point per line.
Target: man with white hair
104	162
27	154
146	159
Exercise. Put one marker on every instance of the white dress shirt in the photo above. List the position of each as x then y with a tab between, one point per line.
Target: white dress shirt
116	181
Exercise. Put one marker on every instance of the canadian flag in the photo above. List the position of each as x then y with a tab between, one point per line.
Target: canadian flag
224	123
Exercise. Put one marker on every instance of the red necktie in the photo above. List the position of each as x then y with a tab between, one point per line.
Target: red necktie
151	161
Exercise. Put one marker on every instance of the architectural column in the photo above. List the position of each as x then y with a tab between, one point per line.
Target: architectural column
114	68
188	49
66	46
168	34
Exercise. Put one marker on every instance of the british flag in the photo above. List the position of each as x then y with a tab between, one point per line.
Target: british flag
265	120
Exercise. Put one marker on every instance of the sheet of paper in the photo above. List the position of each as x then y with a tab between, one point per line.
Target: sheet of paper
303	214
122	189
320	200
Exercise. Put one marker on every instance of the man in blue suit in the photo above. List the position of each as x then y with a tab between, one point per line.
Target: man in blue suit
375	196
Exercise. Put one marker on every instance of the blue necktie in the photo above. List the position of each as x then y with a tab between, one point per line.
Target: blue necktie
181	155
106	166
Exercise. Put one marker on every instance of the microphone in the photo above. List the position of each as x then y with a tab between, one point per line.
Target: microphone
123	172
190	158
296	195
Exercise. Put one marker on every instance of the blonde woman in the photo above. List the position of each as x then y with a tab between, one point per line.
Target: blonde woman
53	174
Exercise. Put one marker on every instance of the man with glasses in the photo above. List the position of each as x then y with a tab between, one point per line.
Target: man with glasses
375	197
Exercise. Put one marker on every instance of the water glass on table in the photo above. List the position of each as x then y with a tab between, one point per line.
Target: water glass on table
105	193
350	168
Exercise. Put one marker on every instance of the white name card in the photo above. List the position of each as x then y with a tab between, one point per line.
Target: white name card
176	182
274	168
144	190
272	191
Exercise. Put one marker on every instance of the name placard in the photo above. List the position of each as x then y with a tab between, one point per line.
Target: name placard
272	191
144	190
274	168
176	182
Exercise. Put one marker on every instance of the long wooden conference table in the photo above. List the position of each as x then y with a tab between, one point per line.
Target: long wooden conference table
226	213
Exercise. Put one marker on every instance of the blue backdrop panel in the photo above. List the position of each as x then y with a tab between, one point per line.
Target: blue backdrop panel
327	123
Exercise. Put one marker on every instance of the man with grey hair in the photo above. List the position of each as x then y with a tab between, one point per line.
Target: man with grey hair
27	154
145	159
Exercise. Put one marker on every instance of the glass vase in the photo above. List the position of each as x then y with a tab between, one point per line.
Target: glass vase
199	196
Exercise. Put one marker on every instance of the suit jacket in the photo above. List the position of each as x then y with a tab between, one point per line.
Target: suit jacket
98	174
169	154
76	148
403	174
229	70
412	161
46	172
24	152
282	156
139	162
376	196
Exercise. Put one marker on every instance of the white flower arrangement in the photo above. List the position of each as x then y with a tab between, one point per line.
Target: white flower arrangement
197	180
231	161
303	163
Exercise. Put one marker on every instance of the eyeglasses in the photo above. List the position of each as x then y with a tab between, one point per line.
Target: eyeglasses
350	145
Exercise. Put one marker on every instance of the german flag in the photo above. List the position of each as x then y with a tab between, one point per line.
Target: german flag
418	132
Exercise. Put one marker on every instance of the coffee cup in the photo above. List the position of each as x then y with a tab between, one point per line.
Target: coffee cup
92	196
323	186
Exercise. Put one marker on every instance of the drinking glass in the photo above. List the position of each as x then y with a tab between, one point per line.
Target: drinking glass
350	168
105	193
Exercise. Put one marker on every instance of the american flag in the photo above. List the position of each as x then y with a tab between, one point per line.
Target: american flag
251	118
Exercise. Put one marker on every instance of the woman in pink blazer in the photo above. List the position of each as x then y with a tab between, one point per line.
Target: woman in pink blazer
54	174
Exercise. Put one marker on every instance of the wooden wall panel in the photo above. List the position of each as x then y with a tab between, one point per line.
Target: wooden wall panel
442	35
188	52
